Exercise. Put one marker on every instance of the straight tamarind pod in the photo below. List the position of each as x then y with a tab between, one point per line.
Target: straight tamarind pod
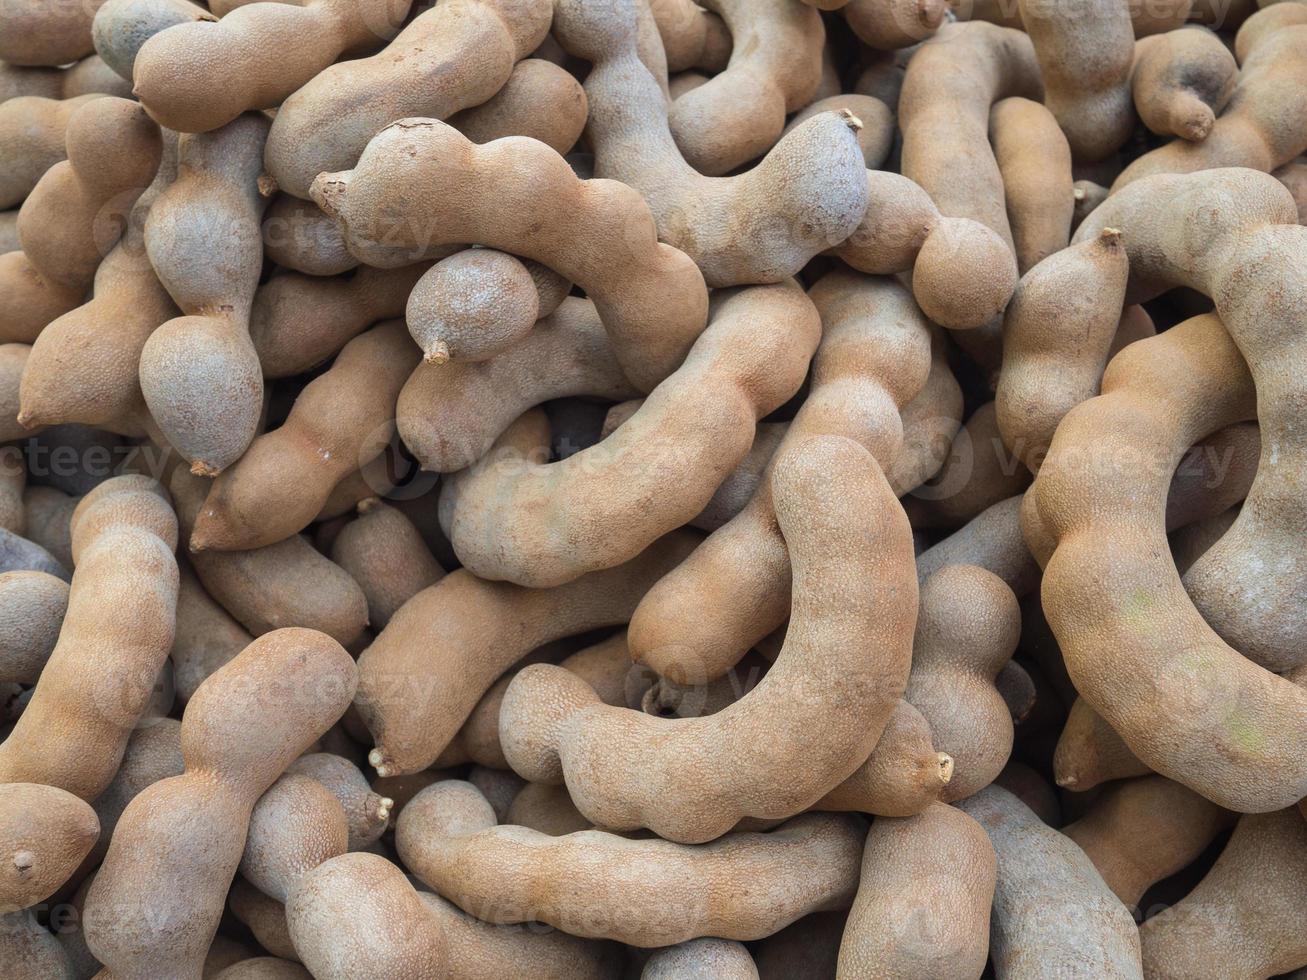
240	731
206	638
598	884
1035	162
519	196
930	422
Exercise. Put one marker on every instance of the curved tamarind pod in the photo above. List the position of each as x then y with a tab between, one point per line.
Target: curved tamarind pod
1035	162
85	365
44	834
807	194
542	524
1090	752
265	917
452	640
963	273
993	541
519	196
285	583
1057	331
121	27
114	639
930	422
32	128
1039	869
199	372
298	235
601	885
37	33
385	554
872	360
1209	933
716	762
427	71
299	321
342	418
875	138
692	37
76	213
242	728
32	609
1181	80
774	69
1146	829
450	415
939	927
540	99
1085	57
478	302
367	813
295	825
1260	128
198	76
967	629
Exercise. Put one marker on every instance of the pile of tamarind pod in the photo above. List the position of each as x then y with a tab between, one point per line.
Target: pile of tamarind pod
653	489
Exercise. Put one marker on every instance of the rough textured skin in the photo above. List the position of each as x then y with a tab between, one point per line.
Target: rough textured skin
807	195
967	628
1090	752
922	909
29	952
701	959
887	25
153	752
1181	80
420	184
451	414
342	419
206	637
647	892
199	372
453	56
265	917
366	812
1035	162
76	213
156	902
385	554
285	584
845	661
84	365
1053	915
198	76
1085	55
32	607
122	26
542	524
427	669
1293	175
930	421
1211	932
1263	127
32	129
547	809
44	834
298	235
264	968
35	32
48	513
296	825
963	273
115	638
992	540
691	36
873	358
540	100
1143	830
774	69
478	302
1056	337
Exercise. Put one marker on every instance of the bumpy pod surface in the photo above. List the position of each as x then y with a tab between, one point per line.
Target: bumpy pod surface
295	826
991	540
873	358
206	638
45	832
32	128
1035	162
1039	869
115	638
540	99
122	26
451	56
420	185
425	672
36	33
199	373
198	76
761	756
1090	752
922	908
385	554
299	235
32	608
1181	80
366	812
701	959
542	524
806	195
642	892
155	904
692	37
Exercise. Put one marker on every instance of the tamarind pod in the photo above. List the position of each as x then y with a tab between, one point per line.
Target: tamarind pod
604	886
1090	752
32	608
265	917
1181	80
875	138
701	958
367	812
546	809
930	422
540	99
452	640
115	638
426	71
36	33
991	540
33	129
385	554
44	834
206	637
240	731
597	234
1035	162
295	826
691	36
121	27
299	236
